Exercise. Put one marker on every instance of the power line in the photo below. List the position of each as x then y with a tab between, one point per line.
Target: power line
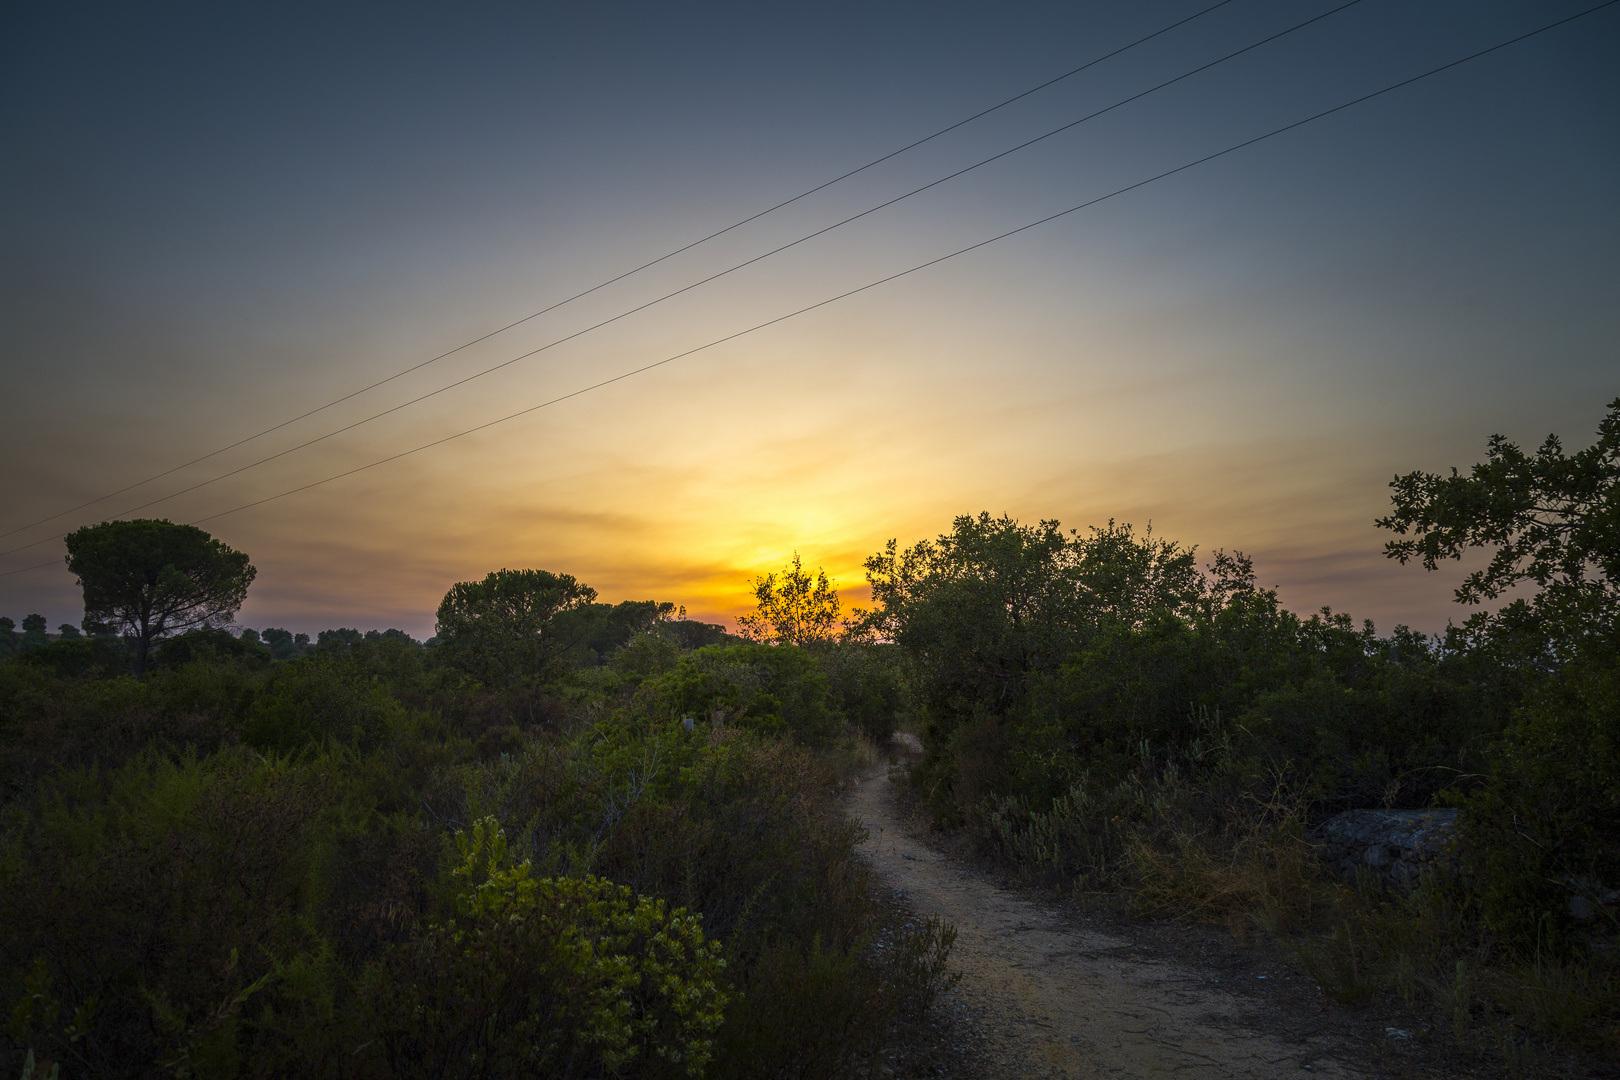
712	277
620	277
892	277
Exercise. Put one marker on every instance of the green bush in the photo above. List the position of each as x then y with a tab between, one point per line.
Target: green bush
557	977
80	658
146	906
50	722
1542	839
209	644
864	686
321	697
761	688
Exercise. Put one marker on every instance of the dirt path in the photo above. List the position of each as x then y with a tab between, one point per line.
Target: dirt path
1059	1001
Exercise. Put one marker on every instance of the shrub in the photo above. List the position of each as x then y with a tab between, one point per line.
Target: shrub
209	644
863	686
321	697
760	688
80	658
1542	839
145	906
561	977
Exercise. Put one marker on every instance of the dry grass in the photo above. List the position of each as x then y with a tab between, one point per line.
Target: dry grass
1259	869
1531	1017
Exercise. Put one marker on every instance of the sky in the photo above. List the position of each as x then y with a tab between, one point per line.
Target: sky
215	219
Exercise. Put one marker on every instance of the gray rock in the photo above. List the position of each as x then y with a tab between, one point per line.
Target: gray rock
1394	844
1588	897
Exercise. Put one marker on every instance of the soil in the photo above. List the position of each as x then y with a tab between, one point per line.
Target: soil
1049	990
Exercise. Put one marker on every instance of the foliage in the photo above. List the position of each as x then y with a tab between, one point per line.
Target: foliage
761	688
322	697
147	902
691	634
793	609
1549	518
195	645
283	645
153	577
505	630
33	635
1100	712
555	976
864	686
600	630
237	867
984	611
81	656
1542	836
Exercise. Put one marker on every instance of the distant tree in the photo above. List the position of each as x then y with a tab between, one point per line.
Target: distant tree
392	635
281	644
67	631
9	642
150	578
504	630
343	639
794	609
691	634
33	635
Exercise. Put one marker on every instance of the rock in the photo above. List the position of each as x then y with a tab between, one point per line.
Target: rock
1394	844
1588	897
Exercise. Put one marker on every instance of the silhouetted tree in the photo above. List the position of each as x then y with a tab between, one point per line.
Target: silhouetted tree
794	609
149	578
97	628
1550	519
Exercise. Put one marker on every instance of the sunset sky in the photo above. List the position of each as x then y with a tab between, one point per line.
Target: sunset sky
214	218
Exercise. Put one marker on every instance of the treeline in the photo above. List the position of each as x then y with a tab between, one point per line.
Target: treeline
590	635
567	839
33	635
1106	712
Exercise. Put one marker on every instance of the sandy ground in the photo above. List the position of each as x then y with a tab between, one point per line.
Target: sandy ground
1052	999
